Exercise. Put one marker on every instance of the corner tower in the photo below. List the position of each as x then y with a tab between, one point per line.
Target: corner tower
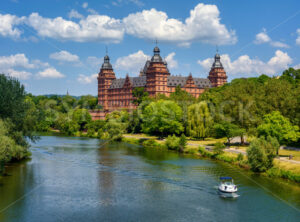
157	75
217	74
105	77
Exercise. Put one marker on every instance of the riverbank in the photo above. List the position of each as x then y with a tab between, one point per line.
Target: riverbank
281	169
236	155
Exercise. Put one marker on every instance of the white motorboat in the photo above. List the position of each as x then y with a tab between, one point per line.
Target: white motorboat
227	186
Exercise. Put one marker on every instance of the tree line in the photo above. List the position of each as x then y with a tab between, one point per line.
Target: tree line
264	107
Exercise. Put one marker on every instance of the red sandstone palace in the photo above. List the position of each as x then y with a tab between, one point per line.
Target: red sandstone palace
114	94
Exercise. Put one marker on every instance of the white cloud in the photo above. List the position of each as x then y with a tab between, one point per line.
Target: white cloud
203	25
297	66
39	64
92	28
245	66
64	56
133	62
18	74
50	73
17	60
7	23
298	38
279	44
263	37
172	63
85	5
87	79
75	14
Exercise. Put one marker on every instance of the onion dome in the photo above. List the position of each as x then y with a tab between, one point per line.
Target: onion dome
106	64
156	57
217	63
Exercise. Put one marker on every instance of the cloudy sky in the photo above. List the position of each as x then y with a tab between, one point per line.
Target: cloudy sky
53	45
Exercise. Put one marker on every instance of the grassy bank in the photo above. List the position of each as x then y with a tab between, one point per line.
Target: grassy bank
281	169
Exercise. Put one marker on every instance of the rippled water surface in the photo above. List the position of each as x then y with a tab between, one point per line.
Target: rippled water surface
77	179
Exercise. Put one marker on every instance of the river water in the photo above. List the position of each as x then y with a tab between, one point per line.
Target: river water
79	179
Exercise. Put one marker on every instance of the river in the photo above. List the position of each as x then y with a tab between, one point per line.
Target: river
80	179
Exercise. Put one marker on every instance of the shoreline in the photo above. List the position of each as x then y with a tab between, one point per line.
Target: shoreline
277	171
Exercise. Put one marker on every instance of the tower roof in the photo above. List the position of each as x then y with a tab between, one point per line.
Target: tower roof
106	64
217	63
156	57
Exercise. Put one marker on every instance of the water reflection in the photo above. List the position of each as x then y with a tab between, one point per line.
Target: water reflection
84	181
106	178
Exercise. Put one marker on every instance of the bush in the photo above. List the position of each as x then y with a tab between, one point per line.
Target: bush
261	153
172	142
151	143
240	157
204	152
276	172
218	148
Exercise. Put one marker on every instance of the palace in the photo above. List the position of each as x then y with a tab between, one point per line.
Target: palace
155	78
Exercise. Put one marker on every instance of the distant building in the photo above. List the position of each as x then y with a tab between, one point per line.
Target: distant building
116	94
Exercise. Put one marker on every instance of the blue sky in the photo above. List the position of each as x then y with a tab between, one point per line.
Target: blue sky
55	46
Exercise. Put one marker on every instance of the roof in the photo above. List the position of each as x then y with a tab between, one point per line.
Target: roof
181	81
135	81
156	56
106	64
225	178
217	63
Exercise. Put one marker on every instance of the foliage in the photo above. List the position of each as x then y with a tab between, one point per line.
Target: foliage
82	117
15	107
228	130
240	157
9	149
261	153
218	148
276	125
199	120
184	100
115	129
88	102
162	118
172	142
115	126
135	122
151	143
139	95
182	142
291	75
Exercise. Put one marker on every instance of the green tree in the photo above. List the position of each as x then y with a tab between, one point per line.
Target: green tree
184	100
278	126
14	106
182	142
228	130
115	129
199	120
139	95
291	75
162	118
261	153
82	117
88	102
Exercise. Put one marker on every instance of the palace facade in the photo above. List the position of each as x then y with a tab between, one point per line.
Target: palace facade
155	78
